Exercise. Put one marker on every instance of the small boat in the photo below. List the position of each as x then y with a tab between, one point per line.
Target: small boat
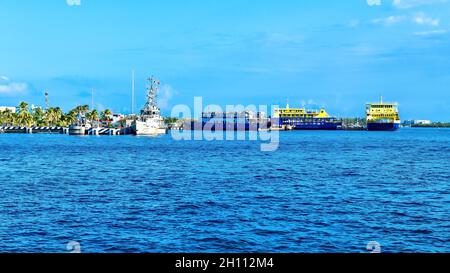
77	130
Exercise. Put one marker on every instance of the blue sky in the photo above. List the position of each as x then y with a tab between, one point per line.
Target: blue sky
333	54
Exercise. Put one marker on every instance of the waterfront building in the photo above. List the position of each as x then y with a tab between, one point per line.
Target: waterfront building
422	122
10	108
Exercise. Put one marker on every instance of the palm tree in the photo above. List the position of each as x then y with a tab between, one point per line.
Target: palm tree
23	106
8	117
84	109
2	118
88	116
39	117
70	118
81	112
92	117
24	116
53	116
58	116
106	116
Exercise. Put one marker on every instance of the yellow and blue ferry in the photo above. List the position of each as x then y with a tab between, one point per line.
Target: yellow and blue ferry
302	119
382	116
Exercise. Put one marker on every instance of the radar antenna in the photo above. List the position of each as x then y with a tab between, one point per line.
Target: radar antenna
47	104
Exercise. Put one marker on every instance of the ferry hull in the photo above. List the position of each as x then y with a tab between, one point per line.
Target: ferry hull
226	126
383	126
323	124
146	129
324	127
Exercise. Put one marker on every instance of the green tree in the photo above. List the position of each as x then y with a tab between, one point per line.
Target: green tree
81	112
84	109
53	116
170	120
106	116
24	116
39	117
70	118
93	117
8	117
2	118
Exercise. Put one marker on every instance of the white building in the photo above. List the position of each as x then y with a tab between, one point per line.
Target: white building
116	118
12	109
422	122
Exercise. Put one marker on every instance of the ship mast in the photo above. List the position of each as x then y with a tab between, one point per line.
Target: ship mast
150	108
47	104
132	92
152	91
92	99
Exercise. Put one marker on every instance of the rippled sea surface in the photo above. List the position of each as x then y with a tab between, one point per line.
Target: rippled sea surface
319	192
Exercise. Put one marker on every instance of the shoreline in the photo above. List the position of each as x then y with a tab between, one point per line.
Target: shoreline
101	131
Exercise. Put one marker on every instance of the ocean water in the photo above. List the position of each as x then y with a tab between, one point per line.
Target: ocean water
319	192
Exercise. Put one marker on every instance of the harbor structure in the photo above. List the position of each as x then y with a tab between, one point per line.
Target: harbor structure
382	116
73	130
230	121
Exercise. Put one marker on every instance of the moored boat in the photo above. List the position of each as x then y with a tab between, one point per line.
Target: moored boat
77	130
382	116
302	119
150	122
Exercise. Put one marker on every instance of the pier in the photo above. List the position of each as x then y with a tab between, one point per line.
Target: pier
100	131
65	130
31	130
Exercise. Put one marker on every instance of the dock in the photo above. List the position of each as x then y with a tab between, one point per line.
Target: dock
65	130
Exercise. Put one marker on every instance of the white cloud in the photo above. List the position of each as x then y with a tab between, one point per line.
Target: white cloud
281	39
374	2
310	103
406	4
431	32
422	19
388	21
353	23
11	88
419	19
73	2
364	50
